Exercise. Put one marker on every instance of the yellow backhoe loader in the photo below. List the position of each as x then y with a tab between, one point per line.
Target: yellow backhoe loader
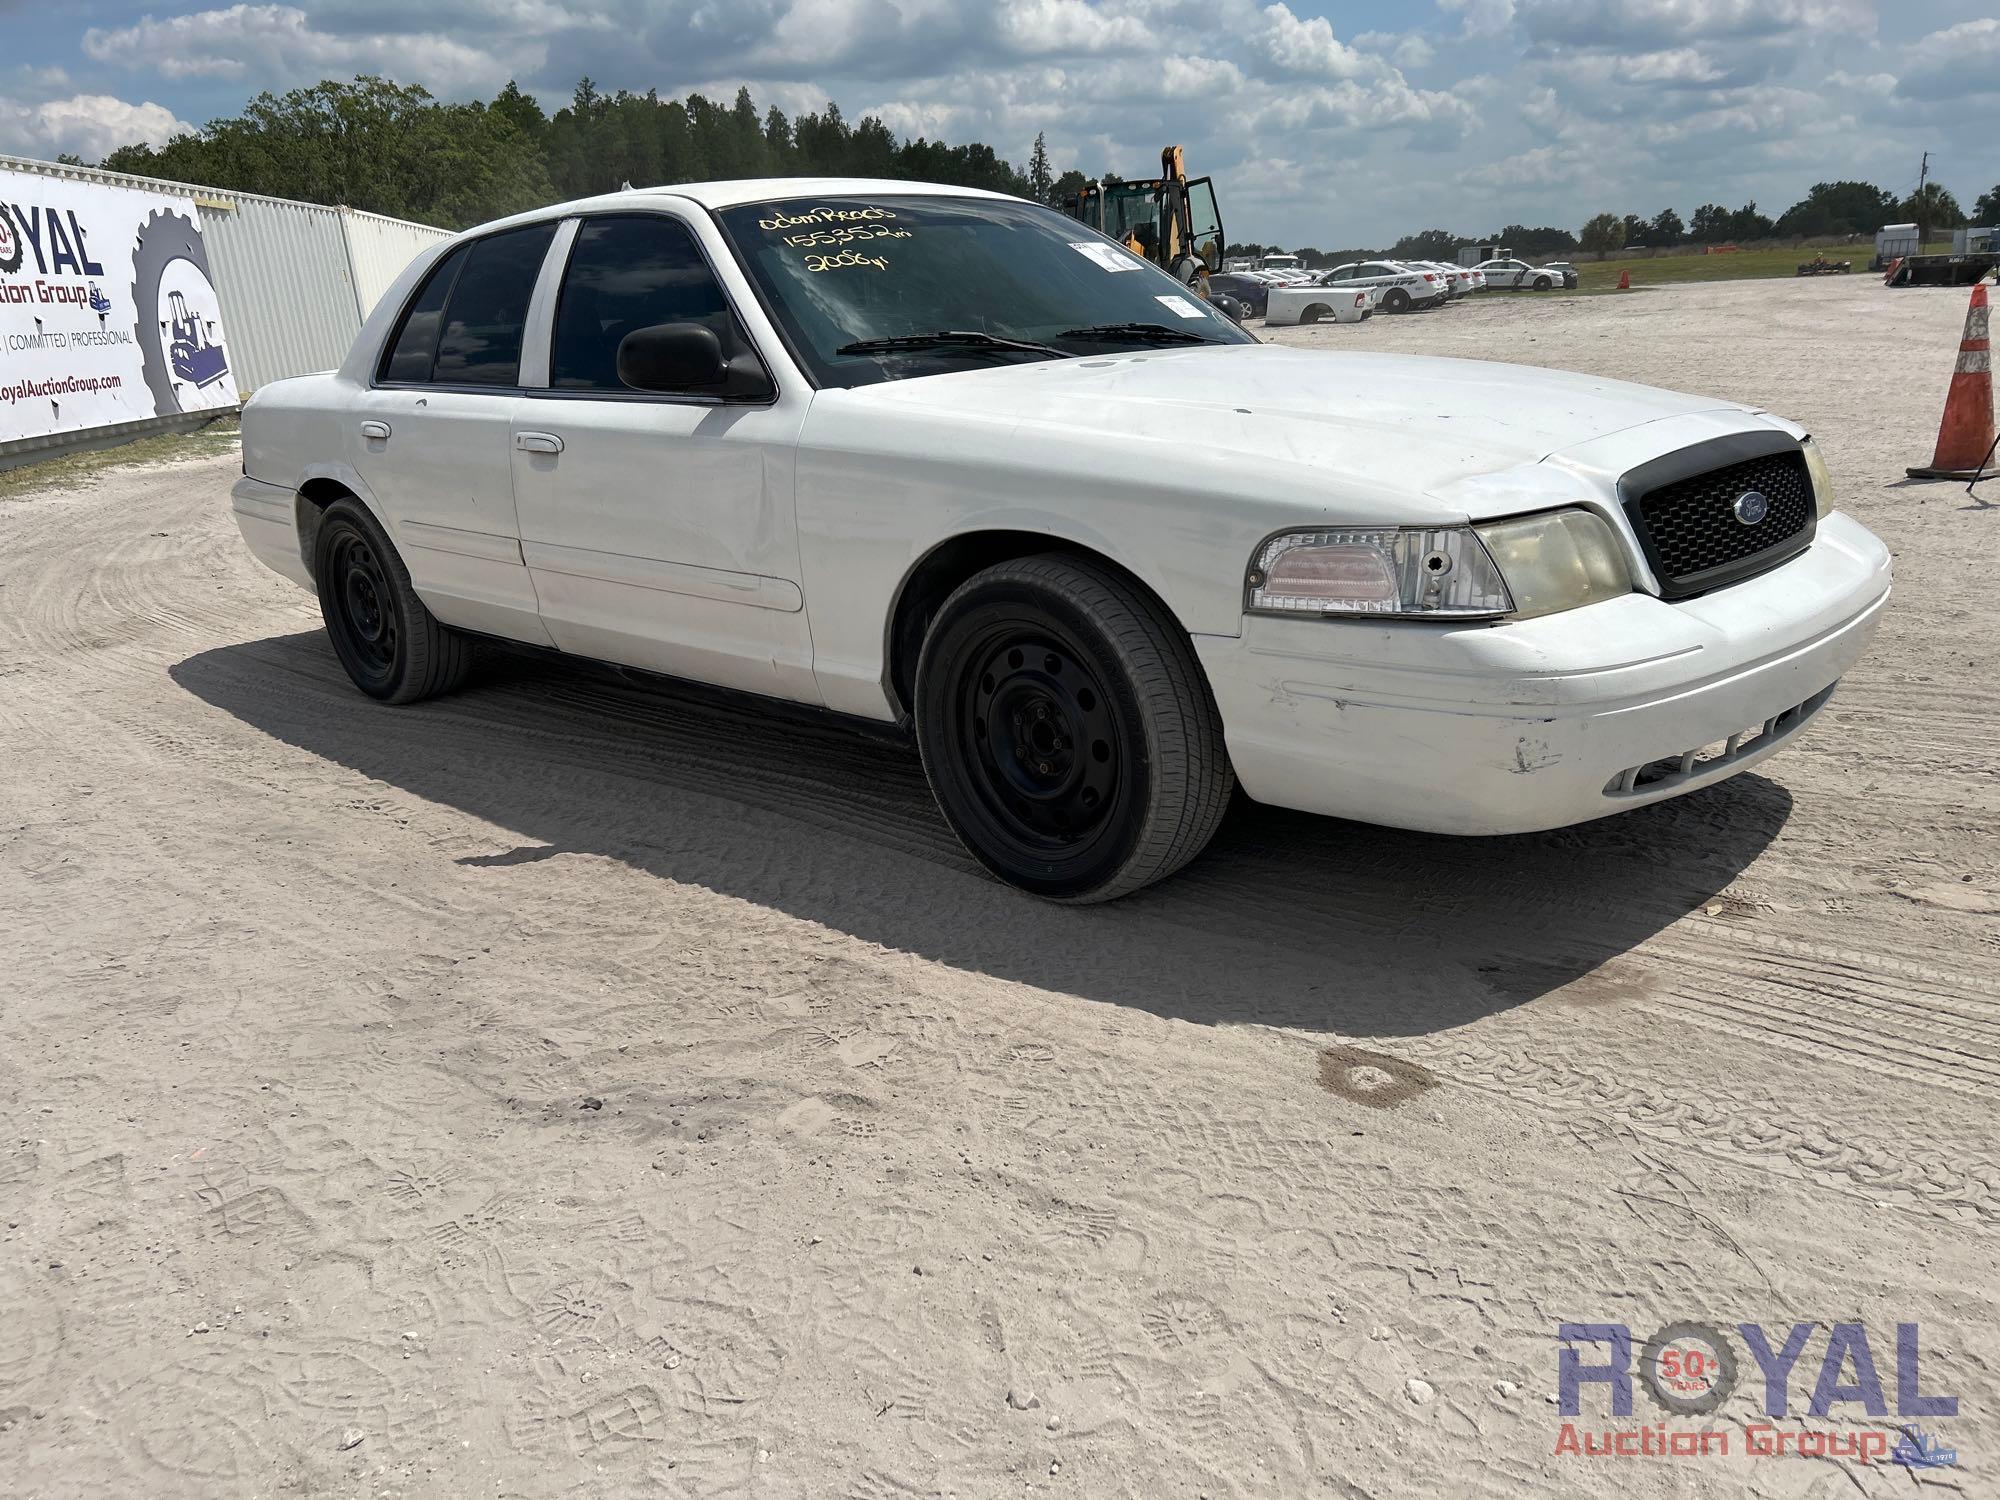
1170	220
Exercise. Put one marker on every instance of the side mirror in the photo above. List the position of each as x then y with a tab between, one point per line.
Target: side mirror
672	357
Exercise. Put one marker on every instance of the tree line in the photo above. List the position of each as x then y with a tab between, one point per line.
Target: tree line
393	149
1829	210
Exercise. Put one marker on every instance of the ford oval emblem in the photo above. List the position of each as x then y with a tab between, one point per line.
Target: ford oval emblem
1751	507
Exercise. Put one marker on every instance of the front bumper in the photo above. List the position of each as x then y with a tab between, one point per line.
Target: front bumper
1511	728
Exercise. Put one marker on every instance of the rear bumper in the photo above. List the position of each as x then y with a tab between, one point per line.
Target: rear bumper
267	516
1549	722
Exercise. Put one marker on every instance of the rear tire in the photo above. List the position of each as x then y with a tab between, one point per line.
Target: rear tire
1067	730
1397	300
393	648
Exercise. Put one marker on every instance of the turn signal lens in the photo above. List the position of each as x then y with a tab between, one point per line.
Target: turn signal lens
1822	478
1441	571
1563	559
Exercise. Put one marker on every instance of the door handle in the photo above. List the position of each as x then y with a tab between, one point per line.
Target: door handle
376	430
538	442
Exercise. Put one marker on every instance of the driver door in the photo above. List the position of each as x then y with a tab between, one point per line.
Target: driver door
659	527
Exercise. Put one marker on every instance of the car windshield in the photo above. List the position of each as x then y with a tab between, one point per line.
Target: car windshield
955	283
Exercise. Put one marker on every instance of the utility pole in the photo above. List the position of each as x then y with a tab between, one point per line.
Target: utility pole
1923	207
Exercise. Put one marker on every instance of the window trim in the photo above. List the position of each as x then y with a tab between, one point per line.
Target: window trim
377	383
567	242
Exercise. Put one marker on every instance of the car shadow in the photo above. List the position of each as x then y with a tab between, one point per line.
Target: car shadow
1288	920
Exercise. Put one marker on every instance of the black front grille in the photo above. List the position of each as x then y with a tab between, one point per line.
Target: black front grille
1695	537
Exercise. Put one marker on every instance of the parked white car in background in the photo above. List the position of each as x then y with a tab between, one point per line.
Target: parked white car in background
1457	279
1312	303
946	459
1519	275
1397	287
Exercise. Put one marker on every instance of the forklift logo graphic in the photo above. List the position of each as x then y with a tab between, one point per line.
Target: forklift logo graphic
179	313
194	358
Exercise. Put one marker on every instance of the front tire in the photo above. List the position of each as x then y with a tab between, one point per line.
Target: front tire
1541	283
393	648
1067	731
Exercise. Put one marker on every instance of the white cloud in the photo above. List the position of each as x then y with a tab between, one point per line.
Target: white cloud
278	44
1307	46
85	125
1544	166
1481	18
1954	62
1407	50
1652	23
1066	27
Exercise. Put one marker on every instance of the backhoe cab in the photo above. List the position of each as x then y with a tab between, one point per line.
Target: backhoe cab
1169	220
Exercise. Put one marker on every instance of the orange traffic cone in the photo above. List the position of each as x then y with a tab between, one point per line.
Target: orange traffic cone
1965	436
1624	281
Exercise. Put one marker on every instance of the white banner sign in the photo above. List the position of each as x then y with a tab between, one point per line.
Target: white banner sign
107	309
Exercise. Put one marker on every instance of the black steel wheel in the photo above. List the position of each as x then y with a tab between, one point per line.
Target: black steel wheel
1067	730
393	648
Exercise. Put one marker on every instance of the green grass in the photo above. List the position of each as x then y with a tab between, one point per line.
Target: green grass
1744	265
55	473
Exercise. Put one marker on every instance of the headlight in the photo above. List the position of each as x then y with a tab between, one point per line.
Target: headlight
1435	572
1563	559
1521	568
1822	478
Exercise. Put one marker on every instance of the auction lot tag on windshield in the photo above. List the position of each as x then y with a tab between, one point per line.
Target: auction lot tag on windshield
1181	306
1108	256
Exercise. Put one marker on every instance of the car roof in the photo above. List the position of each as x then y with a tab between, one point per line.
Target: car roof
743	190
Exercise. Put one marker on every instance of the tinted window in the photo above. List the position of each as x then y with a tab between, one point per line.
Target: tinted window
415	343
626	274
481	342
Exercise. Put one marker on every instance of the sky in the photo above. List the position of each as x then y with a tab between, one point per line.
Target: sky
1329	125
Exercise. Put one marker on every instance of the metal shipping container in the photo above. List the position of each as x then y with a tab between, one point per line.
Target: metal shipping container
296	279
378	250
281	272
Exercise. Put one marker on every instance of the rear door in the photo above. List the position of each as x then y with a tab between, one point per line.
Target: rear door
430	437
659	527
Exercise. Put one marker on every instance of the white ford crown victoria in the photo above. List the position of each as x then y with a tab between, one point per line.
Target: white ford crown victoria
947	459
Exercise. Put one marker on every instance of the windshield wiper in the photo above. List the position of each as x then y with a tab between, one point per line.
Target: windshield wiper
1143	333
970	340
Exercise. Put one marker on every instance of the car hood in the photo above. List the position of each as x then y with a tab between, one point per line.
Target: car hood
1386	423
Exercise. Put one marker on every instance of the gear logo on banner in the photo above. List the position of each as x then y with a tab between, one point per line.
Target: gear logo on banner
10	242
180	316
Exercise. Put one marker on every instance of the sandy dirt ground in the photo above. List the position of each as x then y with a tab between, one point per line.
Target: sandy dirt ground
576	1089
